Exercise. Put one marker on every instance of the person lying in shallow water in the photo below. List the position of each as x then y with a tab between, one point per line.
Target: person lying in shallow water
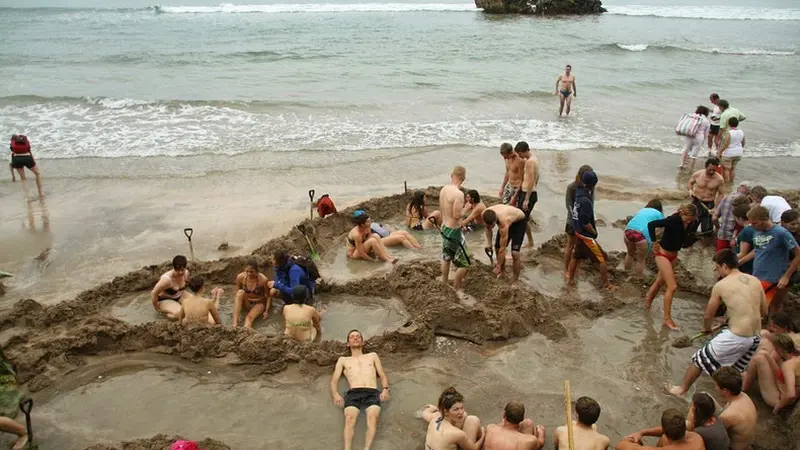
417	216
167	293
197	309
449	425
363	244
302	319
393	238
251	290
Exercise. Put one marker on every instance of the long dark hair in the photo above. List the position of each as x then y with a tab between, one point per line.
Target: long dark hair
417	202
449	397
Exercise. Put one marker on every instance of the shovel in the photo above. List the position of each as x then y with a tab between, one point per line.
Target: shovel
189	232
314	254
490	254
311	193
26	405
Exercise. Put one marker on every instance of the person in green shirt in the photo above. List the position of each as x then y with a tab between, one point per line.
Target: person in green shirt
727	113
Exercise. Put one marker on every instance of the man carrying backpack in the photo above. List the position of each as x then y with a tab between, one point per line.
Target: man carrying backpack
290	272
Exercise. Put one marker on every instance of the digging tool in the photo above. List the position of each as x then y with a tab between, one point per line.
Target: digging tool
311	193
26	405
466	255
314	254
490	254
405	187
189	232
568	413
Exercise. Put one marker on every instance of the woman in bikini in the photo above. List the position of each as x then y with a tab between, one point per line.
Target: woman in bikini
393	238
677	228
302	319
251	290
449	424
417	217
637	238
778	373
362	244
167	294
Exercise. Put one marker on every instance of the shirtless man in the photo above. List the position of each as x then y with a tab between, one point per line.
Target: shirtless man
673	422
513	177
566	89
445	432
735	345
510	228
475	207
454	246
515	432
360	371
705	191
195	308
584	430
527	196
739	413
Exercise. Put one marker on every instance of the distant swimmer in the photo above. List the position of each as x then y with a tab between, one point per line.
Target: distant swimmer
675	437
584	430
454	246
514	173
451	429
21	158
195	308
360	370
566	89
167	293
417	216
302	320
510	223
527	195
473	210
745	305
515	432
251	290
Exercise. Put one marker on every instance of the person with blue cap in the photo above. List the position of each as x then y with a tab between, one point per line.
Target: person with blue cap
583	225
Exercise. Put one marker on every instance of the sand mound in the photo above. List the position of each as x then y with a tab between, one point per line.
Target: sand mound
159	442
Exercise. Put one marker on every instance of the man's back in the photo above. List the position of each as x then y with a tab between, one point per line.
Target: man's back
742	295
583	438
499	438
451	200
740	418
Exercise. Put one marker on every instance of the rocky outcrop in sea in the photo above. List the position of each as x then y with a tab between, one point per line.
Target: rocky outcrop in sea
541	7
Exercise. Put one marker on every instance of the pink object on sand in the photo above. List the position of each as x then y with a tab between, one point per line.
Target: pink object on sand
184	445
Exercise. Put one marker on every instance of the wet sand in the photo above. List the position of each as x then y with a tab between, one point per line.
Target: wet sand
104	351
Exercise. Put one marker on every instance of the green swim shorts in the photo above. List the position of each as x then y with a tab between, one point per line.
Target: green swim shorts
454	247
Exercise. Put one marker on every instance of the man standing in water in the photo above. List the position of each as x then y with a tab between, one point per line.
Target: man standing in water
705	190
513	177
527	195
733	346
360	371
454	246
566	89
515	432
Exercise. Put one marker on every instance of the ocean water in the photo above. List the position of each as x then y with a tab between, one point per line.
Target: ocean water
129	78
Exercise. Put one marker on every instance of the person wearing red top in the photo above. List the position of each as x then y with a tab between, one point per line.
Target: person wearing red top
21	157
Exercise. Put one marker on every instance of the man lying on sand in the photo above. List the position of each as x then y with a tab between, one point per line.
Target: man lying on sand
449	425
584	430
510	223
745	306
360	370
515	432
675	437
195	308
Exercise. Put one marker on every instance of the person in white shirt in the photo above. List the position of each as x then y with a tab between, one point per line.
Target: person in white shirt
693	144
776	205
731	149
716	112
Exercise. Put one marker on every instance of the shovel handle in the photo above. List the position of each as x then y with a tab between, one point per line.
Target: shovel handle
311	193
489	252
188	232
26	406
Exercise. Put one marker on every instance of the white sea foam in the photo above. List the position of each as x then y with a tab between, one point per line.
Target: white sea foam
707	12
633	47
316	8
712	50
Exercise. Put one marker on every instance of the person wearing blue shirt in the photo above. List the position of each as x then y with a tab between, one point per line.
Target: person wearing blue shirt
637	237
583	224
288	274
777	256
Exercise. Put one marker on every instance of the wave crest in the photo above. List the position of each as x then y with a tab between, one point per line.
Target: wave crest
315	8
706	12
712	50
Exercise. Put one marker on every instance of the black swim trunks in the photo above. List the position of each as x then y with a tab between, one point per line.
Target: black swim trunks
20	161
516	234
362	398
704	216
568	228
714	130
520	200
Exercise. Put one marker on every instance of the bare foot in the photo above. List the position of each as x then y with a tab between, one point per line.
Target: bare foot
671	324
648	302
21	443
676	391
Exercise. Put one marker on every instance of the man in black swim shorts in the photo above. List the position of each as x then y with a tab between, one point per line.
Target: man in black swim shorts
360	370
510	223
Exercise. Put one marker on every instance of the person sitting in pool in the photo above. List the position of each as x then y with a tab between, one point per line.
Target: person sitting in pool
515	432
362	244
584	430
195	308
251	290
302	319
778	323
417	217
166	295
391	238
778	374
473	208
676	436
288	274
449	425
637	238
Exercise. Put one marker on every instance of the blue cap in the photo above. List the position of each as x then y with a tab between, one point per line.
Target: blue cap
359	213
589	178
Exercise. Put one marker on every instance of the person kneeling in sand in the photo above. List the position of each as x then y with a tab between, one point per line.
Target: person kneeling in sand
584	430
195	308
515	432
450	427
362	244
302	319
360	370
675	437
511	224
